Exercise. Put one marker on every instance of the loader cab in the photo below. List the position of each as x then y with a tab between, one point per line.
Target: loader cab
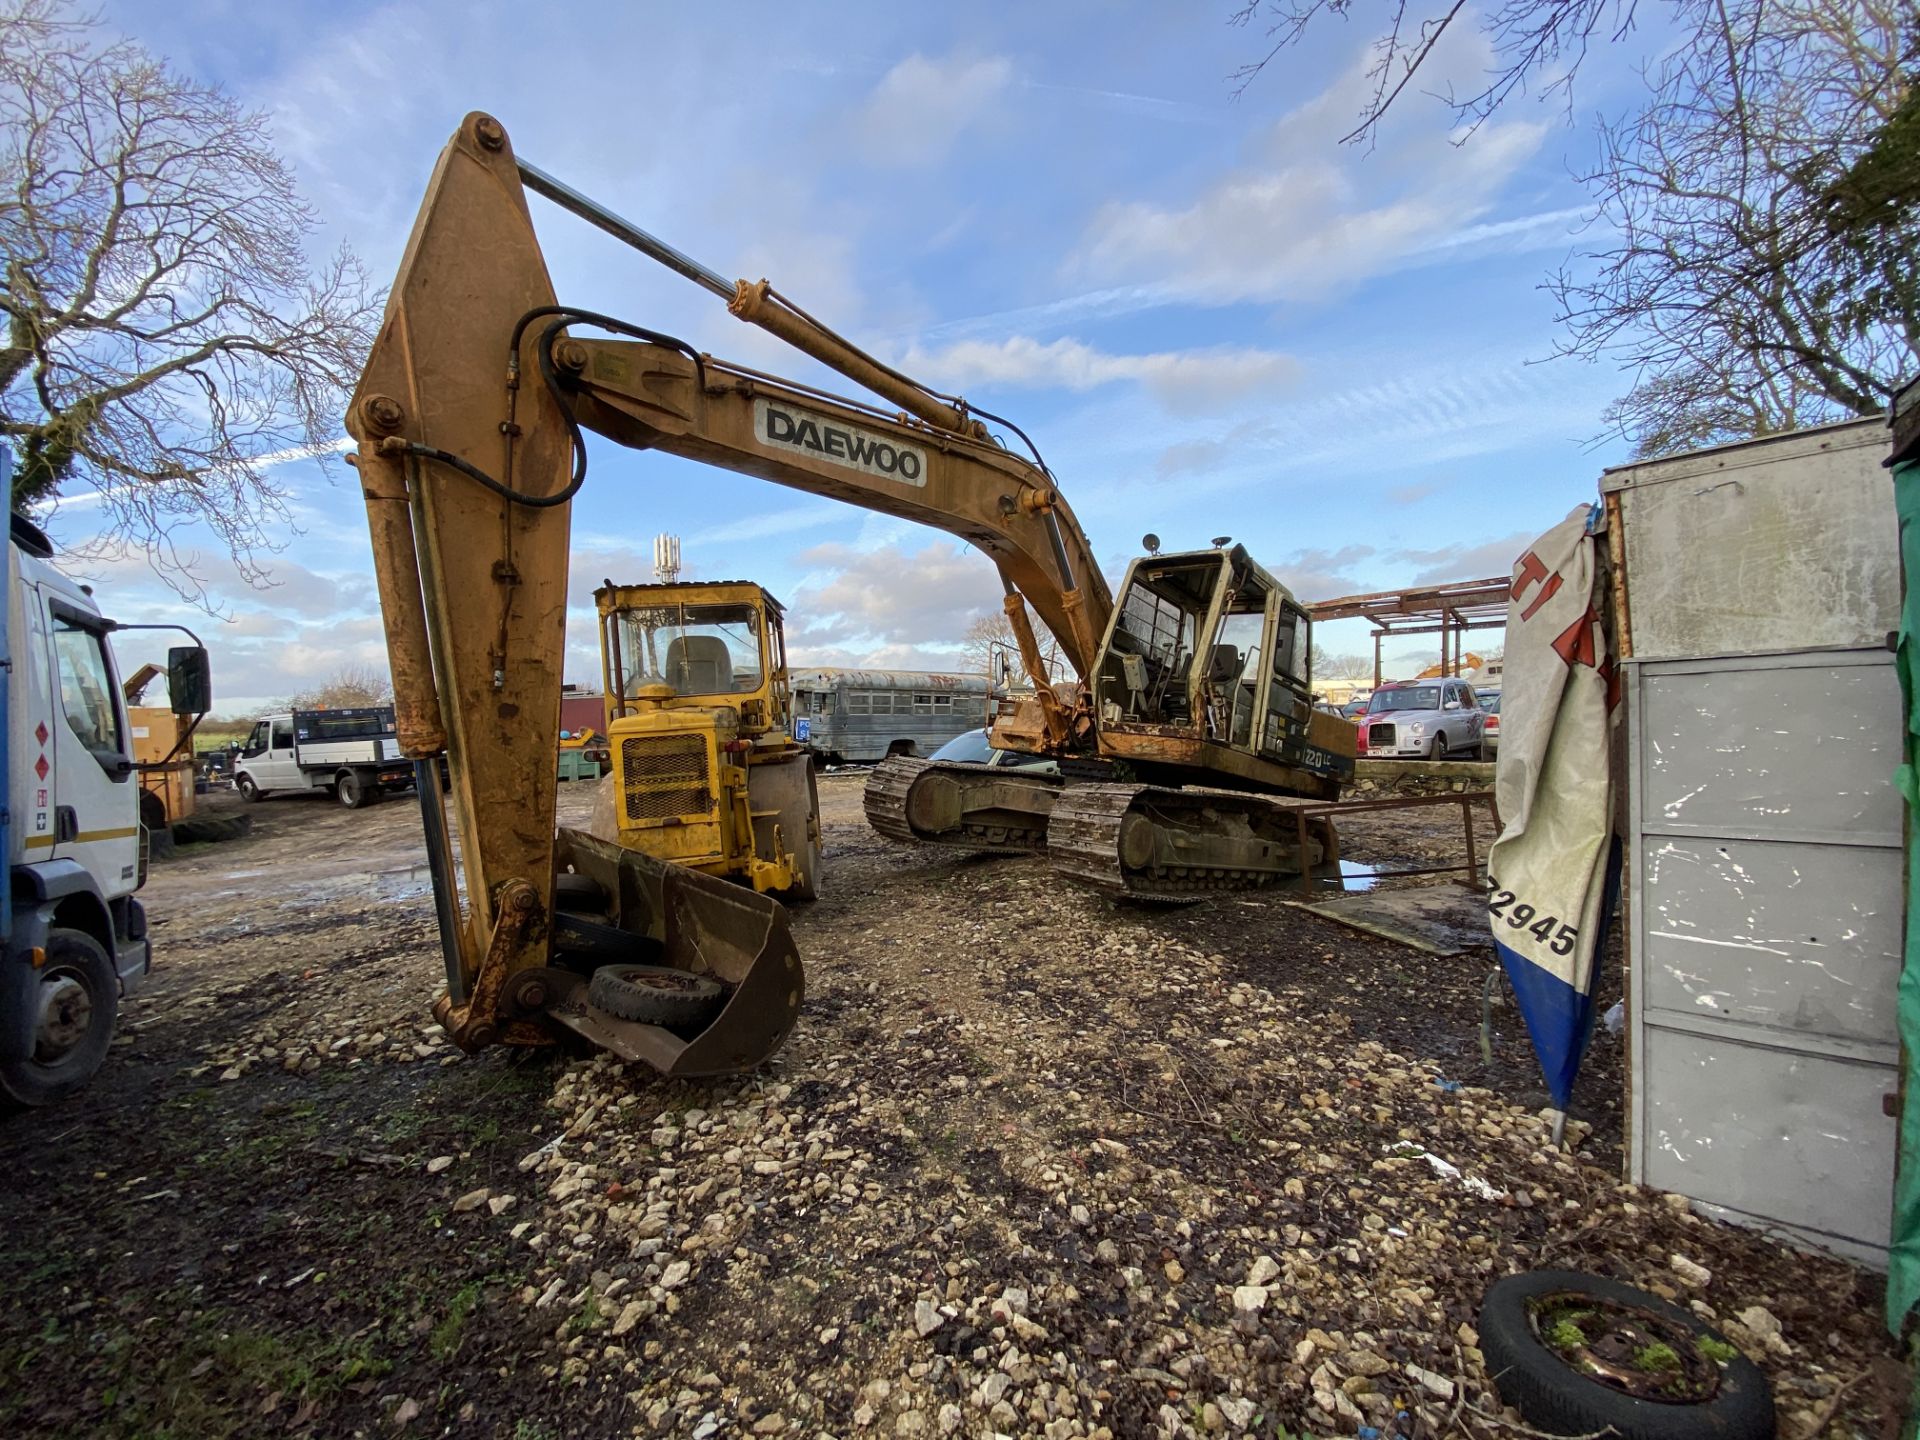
706	772
696	645
1207	647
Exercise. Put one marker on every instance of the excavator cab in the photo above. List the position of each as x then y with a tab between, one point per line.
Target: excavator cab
706	772
1206	649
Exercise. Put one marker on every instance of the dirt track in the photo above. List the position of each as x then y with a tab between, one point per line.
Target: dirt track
1022	1151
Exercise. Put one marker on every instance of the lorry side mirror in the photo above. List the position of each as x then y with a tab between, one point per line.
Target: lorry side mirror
189	680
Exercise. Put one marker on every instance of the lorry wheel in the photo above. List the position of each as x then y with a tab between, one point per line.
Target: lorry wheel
249	792
350	790
79	995
655	994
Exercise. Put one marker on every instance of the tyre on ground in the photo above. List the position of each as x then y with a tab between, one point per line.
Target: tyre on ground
1555	1398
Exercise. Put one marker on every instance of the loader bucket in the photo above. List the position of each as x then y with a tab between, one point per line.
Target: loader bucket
700	924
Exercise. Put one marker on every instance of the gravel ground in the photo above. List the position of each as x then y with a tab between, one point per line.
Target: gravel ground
1032	1164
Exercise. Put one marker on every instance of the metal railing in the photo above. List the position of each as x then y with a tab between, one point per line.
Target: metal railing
1333	809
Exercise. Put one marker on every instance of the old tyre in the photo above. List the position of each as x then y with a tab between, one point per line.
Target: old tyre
1609	1382
656	994
800	821
351	791
249	792
581	894
79	995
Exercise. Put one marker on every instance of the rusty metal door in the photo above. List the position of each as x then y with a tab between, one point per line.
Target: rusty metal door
1766	918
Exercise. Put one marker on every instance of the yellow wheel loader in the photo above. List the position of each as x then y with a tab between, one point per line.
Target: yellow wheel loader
706	772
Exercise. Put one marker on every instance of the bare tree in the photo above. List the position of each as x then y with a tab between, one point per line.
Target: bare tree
1341	667
988	636
1731	292
357	684
1530	38
167	338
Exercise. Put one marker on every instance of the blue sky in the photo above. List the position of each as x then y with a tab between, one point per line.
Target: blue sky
1212	317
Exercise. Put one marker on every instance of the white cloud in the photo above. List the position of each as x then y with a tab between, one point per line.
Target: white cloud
921	107
1467	562
1305	215
1322	574
861	601
1183	380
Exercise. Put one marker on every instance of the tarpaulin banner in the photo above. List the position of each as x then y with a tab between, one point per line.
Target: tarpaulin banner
1548	871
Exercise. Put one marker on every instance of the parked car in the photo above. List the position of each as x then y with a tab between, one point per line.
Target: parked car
1429	719
1355	708
971	748
1490	702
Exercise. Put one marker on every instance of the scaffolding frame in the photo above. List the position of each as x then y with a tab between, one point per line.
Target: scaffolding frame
1449	611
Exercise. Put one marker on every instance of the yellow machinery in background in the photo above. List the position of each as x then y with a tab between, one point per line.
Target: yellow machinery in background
706	772
162	753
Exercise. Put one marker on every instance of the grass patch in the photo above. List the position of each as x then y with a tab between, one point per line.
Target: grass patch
444	1341
1656	1359
586	1318
1565	1335
1718	1351
209	1386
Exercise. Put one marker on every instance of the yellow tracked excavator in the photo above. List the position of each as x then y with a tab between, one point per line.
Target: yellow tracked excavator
1185	749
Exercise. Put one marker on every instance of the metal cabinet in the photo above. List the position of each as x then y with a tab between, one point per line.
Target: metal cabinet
1765	831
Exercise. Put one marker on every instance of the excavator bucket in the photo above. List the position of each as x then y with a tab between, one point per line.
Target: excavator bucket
664	914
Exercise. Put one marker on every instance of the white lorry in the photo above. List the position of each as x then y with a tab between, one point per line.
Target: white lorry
73	939
352	752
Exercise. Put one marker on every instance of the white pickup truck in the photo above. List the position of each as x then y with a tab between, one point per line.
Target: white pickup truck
352	752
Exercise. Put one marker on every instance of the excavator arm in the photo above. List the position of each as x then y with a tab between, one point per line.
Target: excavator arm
467	477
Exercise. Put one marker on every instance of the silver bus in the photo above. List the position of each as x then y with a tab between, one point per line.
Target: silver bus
852	717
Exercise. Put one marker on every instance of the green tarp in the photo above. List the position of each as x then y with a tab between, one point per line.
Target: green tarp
1903	1261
